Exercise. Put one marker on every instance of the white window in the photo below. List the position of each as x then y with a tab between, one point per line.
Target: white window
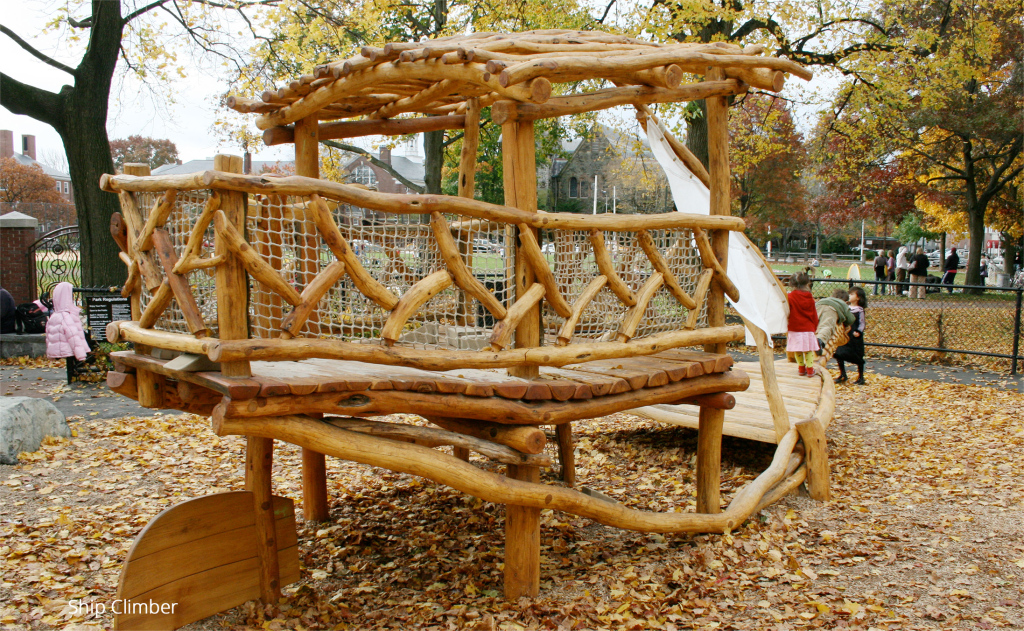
65	187
574	187
364	175
58	187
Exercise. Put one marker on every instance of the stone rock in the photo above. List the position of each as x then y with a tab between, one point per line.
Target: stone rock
24	422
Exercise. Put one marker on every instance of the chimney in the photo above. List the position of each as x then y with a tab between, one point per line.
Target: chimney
6	143
385	155
28	146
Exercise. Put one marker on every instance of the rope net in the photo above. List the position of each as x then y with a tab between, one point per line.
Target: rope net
398	250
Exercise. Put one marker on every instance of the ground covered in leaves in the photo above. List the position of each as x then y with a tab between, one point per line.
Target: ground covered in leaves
925	531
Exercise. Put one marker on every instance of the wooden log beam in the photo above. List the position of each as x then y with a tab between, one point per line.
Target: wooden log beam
310	297
179	284
295	349
409	304
195	239
566	67
432	437
432	70
507	111
331	235
436	91
259	461
502	332
231	281
607	268
157	218
492	487
464	278
710	261
425	204
569	327
253	262
529	440
634	315
661	266
522	541
356	129
816	445
530	249
470	146
158	303
134	332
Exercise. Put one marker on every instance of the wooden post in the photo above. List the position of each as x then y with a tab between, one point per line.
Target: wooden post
314	464
816	449
522	541
467	187
259	461
150	384
566	453
232	282
520	174
709	438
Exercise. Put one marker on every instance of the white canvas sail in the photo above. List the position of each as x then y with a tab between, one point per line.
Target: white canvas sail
762	302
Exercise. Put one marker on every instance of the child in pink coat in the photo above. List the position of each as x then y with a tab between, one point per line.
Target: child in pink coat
65	336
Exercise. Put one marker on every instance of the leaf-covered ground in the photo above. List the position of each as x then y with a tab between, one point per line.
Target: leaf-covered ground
925	531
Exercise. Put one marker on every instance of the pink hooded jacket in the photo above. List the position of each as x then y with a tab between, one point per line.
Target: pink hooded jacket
64	334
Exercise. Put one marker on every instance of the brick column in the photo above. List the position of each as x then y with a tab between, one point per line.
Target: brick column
17	269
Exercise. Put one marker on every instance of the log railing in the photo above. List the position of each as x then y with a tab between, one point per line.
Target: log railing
339	271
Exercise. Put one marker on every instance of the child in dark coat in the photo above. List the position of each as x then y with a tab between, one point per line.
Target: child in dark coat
853	350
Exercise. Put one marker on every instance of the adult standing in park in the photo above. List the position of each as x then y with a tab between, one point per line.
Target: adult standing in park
950	268
881	269
890	272
918	273
902	268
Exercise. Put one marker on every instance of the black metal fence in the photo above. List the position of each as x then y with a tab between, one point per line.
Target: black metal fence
57	255
980	325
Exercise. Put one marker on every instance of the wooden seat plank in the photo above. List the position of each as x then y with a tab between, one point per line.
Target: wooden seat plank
636	379
712	362
600	385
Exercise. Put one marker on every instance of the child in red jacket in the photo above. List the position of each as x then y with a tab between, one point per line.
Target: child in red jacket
803	321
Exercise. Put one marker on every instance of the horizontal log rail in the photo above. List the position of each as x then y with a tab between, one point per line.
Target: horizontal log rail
412	204
405	457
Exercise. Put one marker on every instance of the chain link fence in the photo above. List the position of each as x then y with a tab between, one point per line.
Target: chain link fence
959	324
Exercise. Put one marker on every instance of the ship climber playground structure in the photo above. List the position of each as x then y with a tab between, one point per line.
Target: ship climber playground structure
298	309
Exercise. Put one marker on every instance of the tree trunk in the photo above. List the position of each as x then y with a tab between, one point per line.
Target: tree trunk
1009	252
84	133
433	151
697	134
976	225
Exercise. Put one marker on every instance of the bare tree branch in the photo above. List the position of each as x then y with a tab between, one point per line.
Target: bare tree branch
374	161
35	53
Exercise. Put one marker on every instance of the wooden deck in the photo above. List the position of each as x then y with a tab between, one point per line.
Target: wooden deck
751	418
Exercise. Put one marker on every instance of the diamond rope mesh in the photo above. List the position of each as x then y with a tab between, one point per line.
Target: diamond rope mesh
398	250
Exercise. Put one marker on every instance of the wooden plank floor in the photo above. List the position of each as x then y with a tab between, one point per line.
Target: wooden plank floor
751	417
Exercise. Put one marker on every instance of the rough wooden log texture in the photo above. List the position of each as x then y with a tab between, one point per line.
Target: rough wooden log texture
232	284
259	461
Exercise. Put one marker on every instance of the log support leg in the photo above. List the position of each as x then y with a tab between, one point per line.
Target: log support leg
709	460
816	449
566	454
259	461
151	389
314	486
522	541
462	453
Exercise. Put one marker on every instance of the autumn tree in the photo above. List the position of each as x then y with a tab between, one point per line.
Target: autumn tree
27	183
946	103
768	160
143	149
128	32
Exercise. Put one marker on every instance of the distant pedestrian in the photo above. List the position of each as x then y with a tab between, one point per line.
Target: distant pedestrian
918	273
853	350
890	270
949	269
881	269
902	268
803	321
983	270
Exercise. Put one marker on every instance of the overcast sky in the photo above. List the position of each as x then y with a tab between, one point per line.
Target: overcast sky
132	110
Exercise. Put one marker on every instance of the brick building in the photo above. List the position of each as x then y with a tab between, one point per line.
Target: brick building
628	178
27	157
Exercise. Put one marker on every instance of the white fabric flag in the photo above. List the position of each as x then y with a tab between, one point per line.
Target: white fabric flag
762	302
